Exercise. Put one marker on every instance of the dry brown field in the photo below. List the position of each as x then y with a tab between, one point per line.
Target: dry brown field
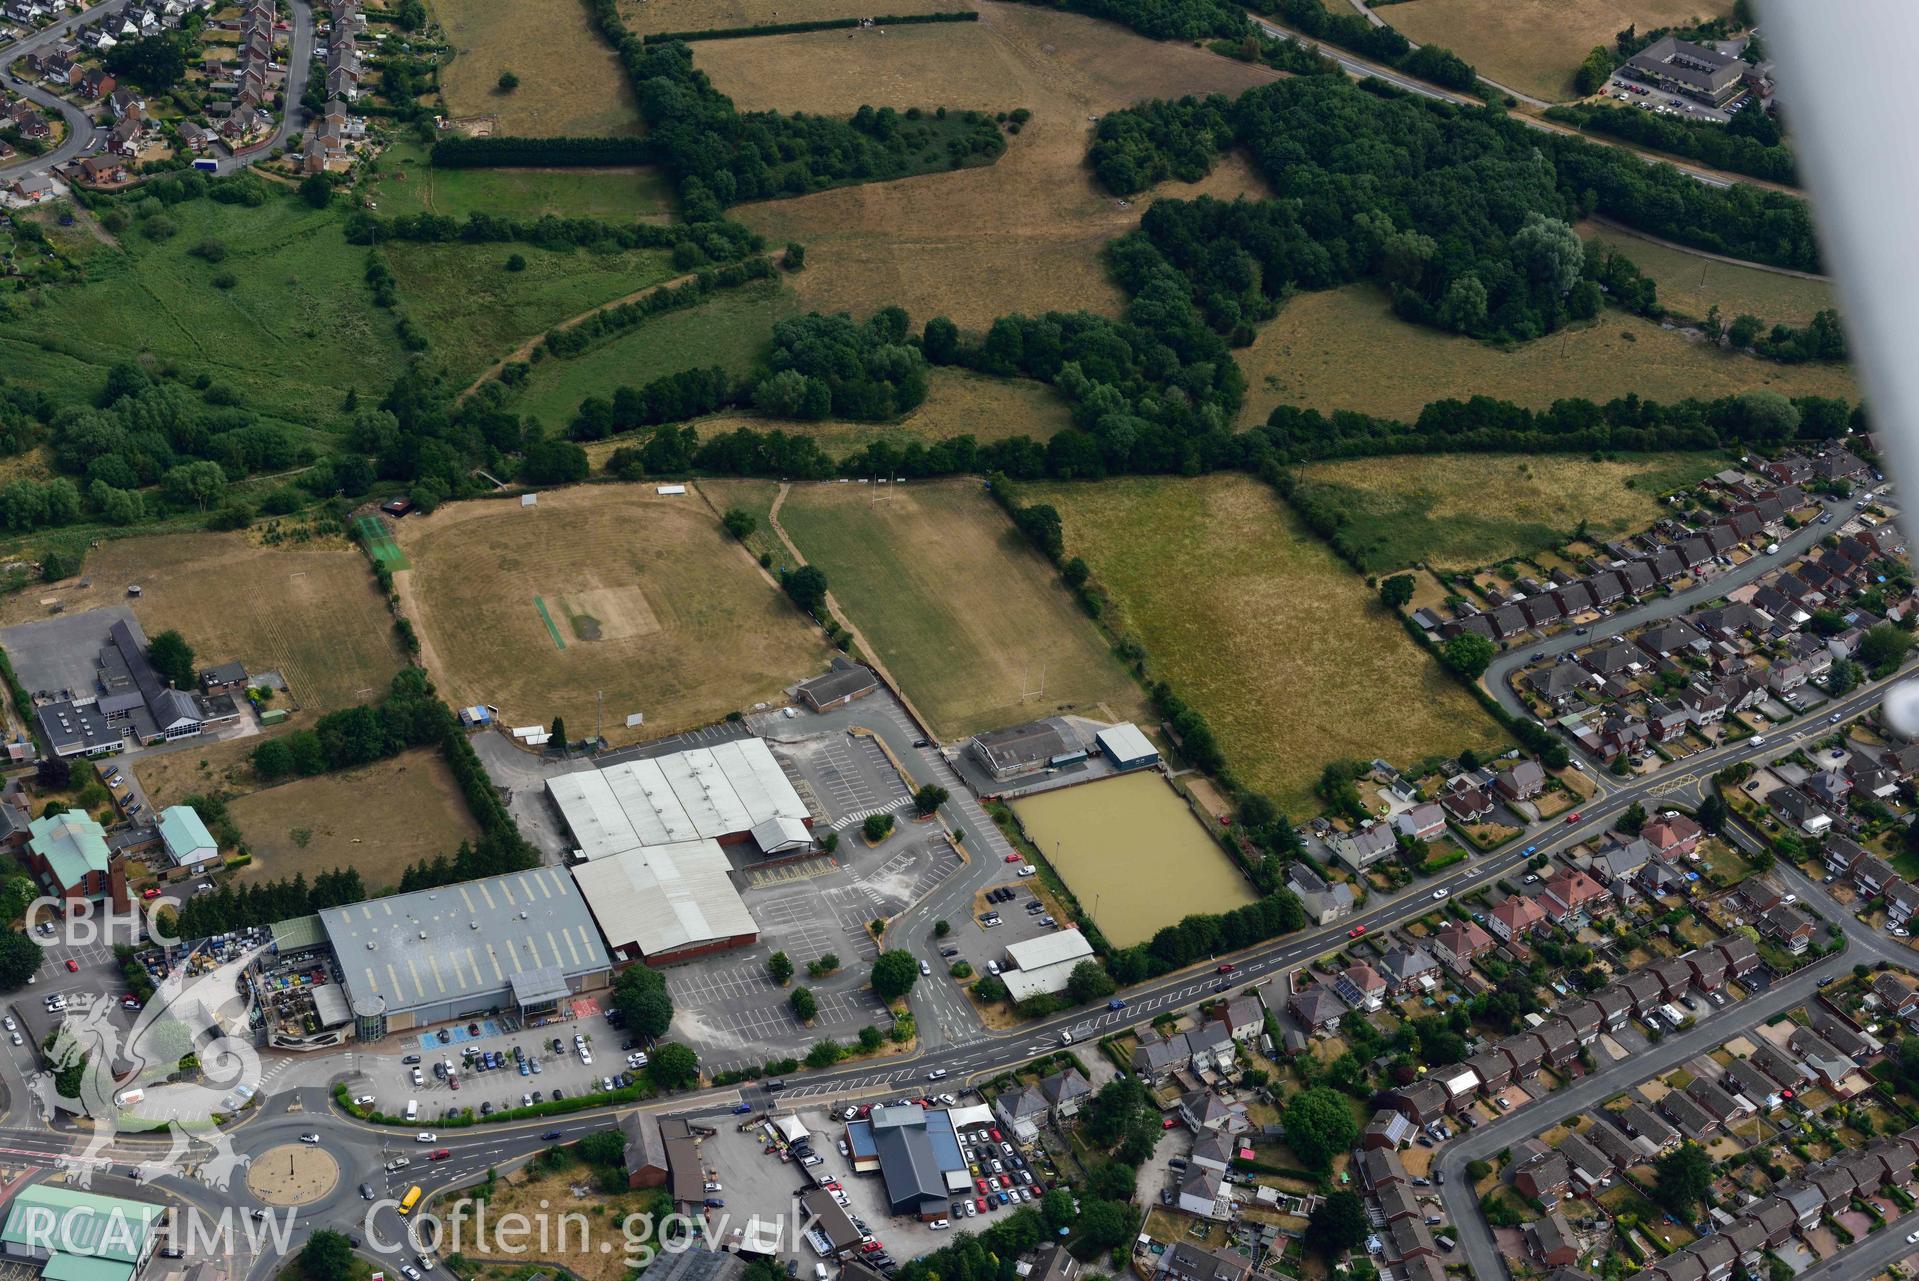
571	81
1344	349
1535	46
651	604
1024	234
308	610
645	16
379	820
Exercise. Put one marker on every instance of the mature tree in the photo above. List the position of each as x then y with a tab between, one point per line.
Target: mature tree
317	191
1768	414
673	1067
172	658
557	733
1883	648
1594	71
641	997
1056	1207
1464	306
200	483
1397	590
154	63
804	1006
508	82
53	774
1319	1125
1337	1225
1104	1225
1682	1179
1089	981
1468	654
328	1256
928	799
1744	330
1631	819
779	967
894	974
20	959
942	927
1548	253
739	522
807	588
1843	677
1712	813
603	1147
876	827
1122	1118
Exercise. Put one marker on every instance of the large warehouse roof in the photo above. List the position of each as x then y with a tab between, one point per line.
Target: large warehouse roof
707	793
665	897
1050	949
465	940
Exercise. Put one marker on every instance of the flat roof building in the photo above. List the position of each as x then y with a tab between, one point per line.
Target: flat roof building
666	902
1044	964
79	1236
520	942
1126	747
720	793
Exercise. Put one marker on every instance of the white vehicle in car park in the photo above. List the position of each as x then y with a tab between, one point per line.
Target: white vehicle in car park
1027	869
939	1225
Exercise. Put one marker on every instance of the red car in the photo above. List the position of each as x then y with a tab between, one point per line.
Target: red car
439	1154
871	1247
1012	858
1355	932
151	891
1573	817
1227	968
994	1134
980	1185
979	1203
1169	1123
1006	1180
73	967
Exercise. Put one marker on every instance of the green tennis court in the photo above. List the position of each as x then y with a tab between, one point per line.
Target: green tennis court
379	544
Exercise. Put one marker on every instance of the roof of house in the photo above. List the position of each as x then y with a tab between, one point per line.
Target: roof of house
72	843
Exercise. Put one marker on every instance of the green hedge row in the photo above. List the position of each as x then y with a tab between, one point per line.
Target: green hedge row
792	28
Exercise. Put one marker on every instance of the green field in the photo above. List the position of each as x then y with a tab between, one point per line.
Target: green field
1461	511
733	330
966	616
293	333
475	311
1284	650
404	183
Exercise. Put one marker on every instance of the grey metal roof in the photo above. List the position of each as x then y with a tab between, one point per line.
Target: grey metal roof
462	941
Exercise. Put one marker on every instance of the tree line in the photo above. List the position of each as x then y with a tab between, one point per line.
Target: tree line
411	715
719	155
717	239
241	907
793	28
1352	31
1750	143
575	339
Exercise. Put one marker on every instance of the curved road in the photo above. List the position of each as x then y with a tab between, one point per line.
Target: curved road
1499	672
83	135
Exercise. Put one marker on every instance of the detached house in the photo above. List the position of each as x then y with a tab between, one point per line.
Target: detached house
1362	987
1459	943
1515	917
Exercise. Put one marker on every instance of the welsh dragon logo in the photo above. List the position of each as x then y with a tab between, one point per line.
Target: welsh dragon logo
205	1016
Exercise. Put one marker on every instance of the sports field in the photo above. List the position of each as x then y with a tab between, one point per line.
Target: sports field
307	610
571	82
404	183
658	610
1344	349
962	611
1280	646
1133	854
1460	511
1690	284
1024	234
378	819
1534	46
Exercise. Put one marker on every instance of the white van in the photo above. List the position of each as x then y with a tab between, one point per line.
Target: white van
1065	1038
412	1109
1758	740
820	1273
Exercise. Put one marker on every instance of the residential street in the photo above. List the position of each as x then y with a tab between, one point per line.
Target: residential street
1520	653
80	130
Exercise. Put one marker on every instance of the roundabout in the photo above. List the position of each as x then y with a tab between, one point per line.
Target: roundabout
293	1174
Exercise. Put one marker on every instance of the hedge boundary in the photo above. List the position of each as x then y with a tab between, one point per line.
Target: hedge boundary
794	28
